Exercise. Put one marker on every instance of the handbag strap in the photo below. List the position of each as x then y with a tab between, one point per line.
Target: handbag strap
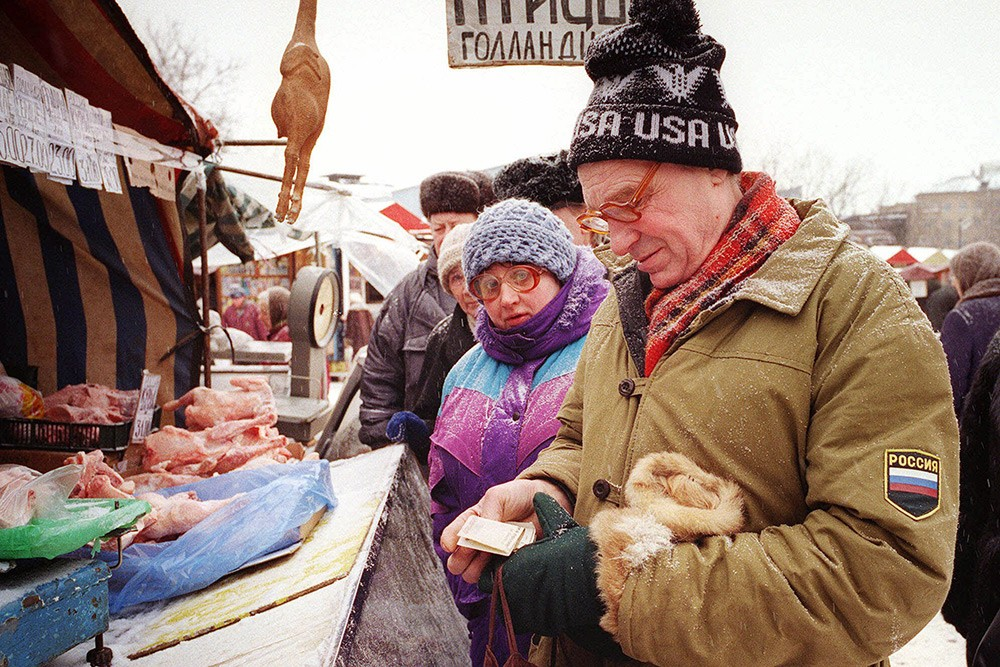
511	643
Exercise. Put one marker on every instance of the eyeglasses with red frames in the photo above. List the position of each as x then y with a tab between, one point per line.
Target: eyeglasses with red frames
596	222
521	277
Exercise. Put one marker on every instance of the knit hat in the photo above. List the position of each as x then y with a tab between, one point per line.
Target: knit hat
519	232
450	255
455	192
657	93
974	263
546	179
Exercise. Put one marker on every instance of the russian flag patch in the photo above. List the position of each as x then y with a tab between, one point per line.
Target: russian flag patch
911	482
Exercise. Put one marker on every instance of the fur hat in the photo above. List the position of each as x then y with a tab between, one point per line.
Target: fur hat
520	232
450	255
658	93
546	179
455	192
668	499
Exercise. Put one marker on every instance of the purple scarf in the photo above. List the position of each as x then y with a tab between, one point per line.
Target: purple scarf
563	320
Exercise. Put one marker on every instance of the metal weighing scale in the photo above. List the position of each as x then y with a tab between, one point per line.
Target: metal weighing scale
313	311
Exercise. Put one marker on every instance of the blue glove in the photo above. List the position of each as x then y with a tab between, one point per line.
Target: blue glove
551	585
409	428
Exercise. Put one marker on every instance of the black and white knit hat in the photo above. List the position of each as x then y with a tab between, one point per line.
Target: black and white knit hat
657	93
518	231
546	179
456	192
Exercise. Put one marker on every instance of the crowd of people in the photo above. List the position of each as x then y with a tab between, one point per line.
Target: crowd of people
735	432
266	321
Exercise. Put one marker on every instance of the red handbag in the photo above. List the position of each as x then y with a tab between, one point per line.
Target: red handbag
515	659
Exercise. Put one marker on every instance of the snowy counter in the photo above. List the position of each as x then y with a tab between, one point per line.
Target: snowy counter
303	609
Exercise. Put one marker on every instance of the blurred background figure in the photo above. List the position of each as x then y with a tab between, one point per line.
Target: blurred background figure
398	340
549	181
243	314
277	313
969	327
448	341
939	303
358	325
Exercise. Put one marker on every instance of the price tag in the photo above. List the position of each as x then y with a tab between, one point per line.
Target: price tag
143	422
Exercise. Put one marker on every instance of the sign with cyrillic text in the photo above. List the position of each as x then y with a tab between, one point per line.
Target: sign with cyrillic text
488	33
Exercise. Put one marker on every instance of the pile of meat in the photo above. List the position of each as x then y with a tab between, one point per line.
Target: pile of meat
170	517
91	404
226	430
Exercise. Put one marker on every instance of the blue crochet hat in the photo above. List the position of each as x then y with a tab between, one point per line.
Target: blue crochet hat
518	231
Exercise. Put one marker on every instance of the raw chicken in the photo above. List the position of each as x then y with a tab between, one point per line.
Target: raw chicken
146	482
175	515
219	449
91	404
98	479
205	408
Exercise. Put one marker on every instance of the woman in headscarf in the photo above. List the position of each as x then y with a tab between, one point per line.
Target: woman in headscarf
499	403
969	327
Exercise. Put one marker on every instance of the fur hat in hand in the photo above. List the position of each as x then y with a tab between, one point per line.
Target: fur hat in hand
658	93
668	499
546	179
519	232
450	255
455	192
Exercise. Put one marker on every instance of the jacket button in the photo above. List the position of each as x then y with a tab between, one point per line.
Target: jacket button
515	416
626	387
602	489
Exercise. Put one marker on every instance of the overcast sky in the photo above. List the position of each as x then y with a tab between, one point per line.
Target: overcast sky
910	87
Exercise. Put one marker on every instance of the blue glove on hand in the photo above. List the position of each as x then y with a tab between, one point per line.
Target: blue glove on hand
551	585
409	428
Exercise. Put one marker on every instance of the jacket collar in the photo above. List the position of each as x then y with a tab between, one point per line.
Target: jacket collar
790	274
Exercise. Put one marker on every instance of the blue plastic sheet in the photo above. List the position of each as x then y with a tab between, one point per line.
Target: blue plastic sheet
277	500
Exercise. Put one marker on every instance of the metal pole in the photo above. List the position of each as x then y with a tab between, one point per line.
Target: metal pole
254	142
203	235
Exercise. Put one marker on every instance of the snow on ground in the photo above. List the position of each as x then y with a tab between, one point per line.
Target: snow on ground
937	645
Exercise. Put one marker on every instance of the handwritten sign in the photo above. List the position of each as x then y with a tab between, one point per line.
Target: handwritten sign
527	32
143	422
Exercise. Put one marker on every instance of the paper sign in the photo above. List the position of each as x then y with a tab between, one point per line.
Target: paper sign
57	113
539	32
6	95
109	171
88	168
143	421
79	119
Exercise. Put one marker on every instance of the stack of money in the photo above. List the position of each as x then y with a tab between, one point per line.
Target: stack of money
495	537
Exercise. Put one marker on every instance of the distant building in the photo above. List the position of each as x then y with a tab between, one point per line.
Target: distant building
950	214
958	211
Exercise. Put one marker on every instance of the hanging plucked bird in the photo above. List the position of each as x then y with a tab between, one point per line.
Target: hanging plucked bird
299	108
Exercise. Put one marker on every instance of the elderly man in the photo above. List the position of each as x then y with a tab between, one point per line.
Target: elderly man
753	474
399	336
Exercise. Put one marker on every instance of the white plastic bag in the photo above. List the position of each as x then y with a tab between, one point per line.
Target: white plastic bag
26	494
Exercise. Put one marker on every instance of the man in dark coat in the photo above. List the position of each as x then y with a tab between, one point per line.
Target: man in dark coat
974	598
399	337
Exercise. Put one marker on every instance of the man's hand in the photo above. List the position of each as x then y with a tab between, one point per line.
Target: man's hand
511	501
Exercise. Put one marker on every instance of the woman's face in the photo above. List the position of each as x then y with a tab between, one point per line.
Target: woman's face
512	308
460	290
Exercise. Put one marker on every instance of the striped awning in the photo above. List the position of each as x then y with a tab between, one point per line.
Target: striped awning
91	286
89	47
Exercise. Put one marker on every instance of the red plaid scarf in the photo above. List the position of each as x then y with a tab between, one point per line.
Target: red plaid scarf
762	221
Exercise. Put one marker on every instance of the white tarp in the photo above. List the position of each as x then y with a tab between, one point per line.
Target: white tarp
533	32
381	250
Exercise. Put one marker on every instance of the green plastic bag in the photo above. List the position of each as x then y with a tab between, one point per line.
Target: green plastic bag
84	520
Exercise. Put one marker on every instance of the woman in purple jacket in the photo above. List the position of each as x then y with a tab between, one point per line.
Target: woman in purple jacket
499	402
969	327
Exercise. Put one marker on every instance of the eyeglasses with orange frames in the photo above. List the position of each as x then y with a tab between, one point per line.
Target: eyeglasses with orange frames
596	222
522	278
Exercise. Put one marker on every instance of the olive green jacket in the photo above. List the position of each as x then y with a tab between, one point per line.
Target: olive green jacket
798	389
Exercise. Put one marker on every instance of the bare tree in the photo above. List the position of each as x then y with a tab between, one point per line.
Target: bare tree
848	187
205	83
